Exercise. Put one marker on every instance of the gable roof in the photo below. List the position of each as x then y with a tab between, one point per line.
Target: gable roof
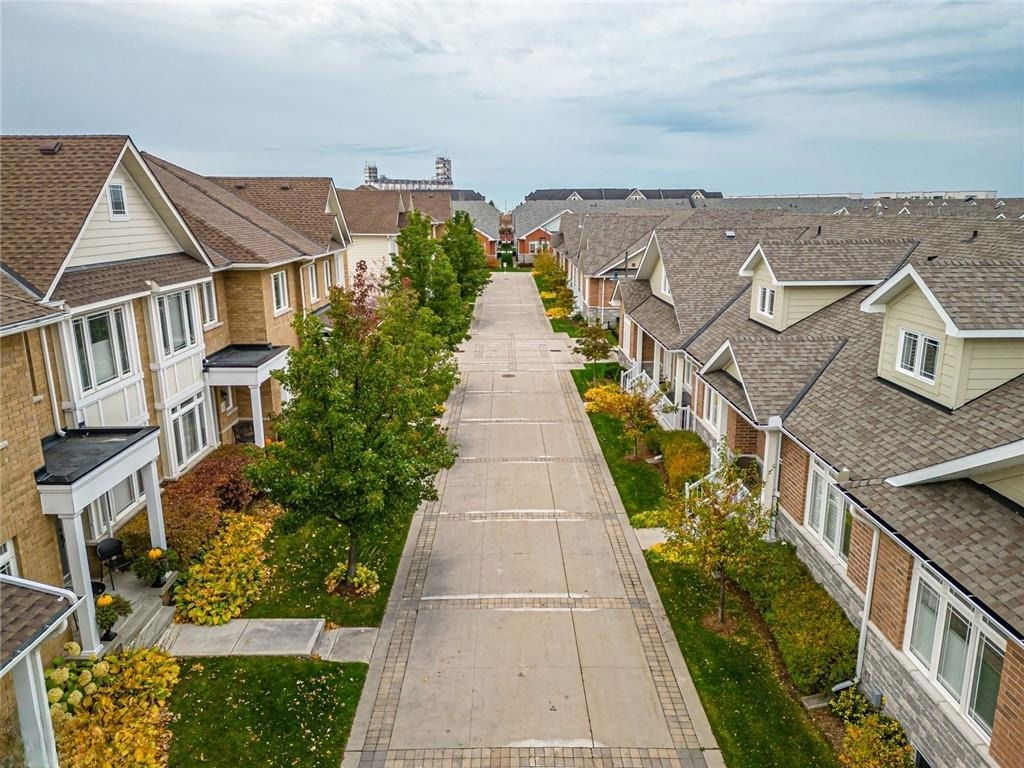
18	306
529	215
300	202
485	216
616	193
231	229
371	211
607	237
436	205
822	261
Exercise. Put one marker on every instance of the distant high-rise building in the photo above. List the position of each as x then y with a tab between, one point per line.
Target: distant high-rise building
442	177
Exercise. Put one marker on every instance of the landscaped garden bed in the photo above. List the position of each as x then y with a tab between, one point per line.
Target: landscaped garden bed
263	712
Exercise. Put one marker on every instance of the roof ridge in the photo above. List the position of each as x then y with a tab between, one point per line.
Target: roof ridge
844	241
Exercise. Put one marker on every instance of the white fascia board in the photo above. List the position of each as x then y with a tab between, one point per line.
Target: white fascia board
614	264
112	302
815	283
964	466
747	267
73	601
879	297
642	266
712	363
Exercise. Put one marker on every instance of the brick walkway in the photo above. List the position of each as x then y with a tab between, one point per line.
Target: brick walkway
524	628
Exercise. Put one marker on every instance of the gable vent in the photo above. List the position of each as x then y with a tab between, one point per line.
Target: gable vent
49	147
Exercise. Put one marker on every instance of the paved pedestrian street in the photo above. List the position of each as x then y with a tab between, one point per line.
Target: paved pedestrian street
524	628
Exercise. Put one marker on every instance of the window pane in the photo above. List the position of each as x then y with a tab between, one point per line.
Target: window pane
122	496
190	316
988	670
908	352
83	357
191	430
832	515
816	499
925	617
117	200
844	544
929	356
953	657
176	321
122	343
102	347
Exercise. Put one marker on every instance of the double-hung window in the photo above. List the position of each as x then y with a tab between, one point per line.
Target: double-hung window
110	509
8	559
209	303
279	285
314	286
116	204
101	348
918	355
766	301
177	324
712	407
687	374
959	648
828	513
188	429
327	275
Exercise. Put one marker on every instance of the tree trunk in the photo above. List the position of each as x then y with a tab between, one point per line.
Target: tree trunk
353	554
721	598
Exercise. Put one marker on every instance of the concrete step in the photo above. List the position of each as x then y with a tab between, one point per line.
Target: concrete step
150	634
128	628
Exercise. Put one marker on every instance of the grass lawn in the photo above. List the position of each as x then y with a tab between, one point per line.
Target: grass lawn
263	711
301	561
639	484
756	723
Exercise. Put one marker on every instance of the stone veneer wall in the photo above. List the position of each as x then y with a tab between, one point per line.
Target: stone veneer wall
931	723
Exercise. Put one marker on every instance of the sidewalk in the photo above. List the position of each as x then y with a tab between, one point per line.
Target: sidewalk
272	637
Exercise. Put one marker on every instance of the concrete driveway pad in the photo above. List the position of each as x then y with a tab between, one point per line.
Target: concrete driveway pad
508	574
525	638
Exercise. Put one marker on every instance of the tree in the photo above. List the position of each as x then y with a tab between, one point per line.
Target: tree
466	254
593	343
358	442
634	408
445	301
721	520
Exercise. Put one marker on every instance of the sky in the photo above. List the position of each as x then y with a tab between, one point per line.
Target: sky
742	98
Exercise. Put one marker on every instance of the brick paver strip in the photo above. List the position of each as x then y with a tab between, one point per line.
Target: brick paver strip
371	736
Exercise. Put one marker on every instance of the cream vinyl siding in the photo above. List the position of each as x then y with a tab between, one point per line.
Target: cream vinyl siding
733	371
141	234
763	279
990	363
911	311
803	301
656	278
1008	482
373	249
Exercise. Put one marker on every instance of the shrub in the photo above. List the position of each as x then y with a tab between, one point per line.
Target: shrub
230	574
851	706
112	711
876	742
194	504
365	583
492	262
817	643
557	313
685	458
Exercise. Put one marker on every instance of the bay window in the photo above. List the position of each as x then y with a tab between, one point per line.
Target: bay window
828	512
188	429
959	648
101	348
177	321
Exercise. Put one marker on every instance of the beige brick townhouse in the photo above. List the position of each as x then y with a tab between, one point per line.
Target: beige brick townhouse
280	245
103	387
874	369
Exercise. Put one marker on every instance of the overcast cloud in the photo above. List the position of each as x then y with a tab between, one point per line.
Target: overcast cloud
750	98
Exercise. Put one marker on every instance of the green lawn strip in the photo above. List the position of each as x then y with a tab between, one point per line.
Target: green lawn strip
639	484
756	723
262	711
301	561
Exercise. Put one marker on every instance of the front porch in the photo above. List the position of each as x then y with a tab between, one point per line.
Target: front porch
648	363
249	366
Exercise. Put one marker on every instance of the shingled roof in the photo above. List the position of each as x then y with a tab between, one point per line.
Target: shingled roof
978	294
824	260
47	197
371	211
606	237
18	305
484	215
300	202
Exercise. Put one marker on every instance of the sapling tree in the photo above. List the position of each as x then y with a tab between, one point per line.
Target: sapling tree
593	343
635	409
359	442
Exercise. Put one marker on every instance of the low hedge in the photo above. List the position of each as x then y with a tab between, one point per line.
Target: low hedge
193	505
229	576
685	457
870	739
817	643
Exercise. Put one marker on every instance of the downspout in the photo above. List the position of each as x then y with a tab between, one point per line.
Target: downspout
50	389
862	641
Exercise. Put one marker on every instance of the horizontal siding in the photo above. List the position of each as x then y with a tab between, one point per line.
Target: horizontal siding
656	276
142	234
762	277
803	302
372	250
1006	482
992	362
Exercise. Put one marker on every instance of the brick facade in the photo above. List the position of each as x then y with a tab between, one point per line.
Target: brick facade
1007	746
741	437
860	554
793	479
893	570
538	235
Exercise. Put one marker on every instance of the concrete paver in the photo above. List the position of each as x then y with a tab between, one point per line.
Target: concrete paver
282	637
523	618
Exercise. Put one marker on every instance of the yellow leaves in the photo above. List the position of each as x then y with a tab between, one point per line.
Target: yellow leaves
557	313
547	294
606	398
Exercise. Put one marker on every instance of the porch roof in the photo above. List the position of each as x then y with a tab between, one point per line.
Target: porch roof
78	452
243	356
29	612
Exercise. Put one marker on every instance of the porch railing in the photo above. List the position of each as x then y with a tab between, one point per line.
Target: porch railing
669	415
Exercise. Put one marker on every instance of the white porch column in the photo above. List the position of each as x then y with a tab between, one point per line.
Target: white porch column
257	414
770	466
33	712
154	506
81	580
656	373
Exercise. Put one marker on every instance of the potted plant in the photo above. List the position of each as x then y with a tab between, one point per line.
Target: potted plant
110	608
154	565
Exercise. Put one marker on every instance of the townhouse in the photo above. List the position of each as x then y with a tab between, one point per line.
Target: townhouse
621	193
486	222
873	371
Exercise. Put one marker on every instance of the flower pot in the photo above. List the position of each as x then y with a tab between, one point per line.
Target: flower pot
159	581
108	635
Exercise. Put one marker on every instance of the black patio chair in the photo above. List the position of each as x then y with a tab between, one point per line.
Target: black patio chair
111	556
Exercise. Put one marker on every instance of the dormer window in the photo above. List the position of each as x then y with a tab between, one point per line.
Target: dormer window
919	355
766	301
115	201
664	283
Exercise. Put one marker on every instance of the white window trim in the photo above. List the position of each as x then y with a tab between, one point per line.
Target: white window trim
979	627
230	404
286	306
124	198
128	340
314	283
916	373
192	322
328	275
766	301
827	477
8	558
210	318
196	402
664	283
99	529
705	411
